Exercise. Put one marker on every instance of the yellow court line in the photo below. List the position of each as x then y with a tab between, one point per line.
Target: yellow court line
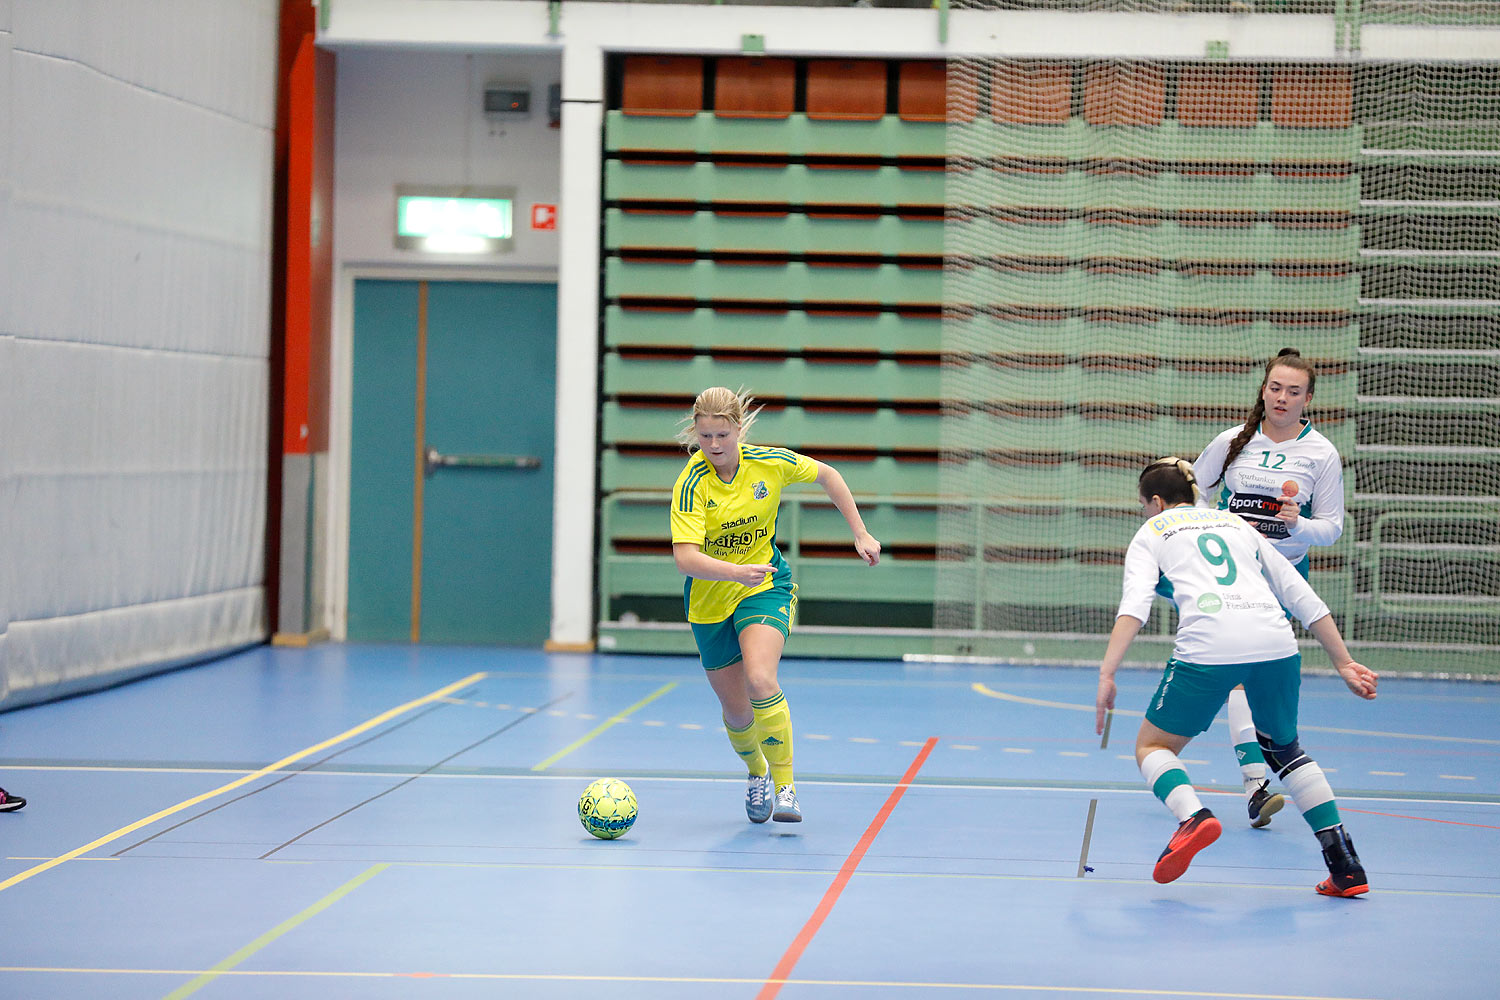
127	769
287	925
1003	696
704	980
1021	700
123	831
601	727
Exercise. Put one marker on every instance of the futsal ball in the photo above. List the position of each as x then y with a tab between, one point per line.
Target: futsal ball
607	808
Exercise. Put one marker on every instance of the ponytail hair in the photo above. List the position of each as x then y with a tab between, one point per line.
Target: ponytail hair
1172	479
1287	357
736	407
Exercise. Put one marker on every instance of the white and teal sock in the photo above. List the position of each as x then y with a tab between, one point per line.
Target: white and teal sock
1246	747
1169	782
1309	788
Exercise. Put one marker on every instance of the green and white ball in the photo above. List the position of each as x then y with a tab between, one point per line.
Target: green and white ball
607	808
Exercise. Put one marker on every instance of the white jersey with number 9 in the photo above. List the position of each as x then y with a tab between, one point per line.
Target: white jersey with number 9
1228	582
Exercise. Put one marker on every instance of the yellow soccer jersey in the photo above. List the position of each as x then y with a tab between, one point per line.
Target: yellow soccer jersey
734	521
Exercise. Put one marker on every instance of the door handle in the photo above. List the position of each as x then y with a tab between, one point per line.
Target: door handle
435	459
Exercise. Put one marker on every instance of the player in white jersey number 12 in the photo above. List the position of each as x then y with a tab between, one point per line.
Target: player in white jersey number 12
1284	477
1230	587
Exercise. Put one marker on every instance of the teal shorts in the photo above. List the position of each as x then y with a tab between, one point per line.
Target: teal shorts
719	642
1191	694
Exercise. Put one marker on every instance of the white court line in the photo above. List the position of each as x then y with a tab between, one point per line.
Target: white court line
581	984
918	786
989	692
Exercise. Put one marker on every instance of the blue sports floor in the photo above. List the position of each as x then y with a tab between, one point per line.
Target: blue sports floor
368	821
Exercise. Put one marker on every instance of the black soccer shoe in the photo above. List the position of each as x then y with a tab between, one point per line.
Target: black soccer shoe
1346	877
1264	804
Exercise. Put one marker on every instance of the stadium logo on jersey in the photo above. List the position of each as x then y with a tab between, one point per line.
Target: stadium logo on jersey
1209	604
760	491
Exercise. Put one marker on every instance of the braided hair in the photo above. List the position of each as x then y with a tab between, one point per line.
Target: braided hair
1287	357
1172	479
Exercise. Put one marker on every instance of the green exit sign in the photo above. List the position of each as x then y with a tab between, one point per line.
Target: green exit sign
454	219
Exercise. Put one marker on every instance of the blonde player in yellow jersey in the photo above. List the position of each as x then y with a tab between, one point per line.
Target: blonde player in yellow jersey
739	594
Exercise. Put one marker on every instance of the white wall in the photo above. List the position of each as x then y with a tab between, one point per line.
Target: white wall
135	208
408	116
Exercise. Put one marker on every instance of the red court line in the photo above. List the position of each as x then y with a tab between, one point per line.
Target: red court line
825	906
1424	819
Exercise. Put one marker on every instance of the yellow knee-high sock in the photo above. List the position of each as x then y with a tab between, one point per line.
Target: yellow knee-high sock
747	745
773	727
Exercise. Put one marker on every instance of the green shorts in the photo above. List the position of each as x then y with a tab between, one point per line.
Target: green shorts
719	642
1191	694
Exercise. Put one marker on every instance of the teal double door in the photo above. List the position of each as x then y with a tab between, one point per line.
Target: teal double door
450	509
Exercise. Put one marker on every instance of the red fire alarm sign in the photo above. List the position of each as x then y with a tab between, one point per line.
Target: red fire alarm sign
543	216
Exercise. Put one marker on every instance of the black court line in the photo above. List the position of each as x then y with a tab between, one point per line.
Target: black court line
286	777
401	784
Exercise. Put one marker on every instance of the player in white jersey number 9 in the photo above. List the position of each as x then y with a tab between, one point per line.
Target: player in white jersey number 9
1230	587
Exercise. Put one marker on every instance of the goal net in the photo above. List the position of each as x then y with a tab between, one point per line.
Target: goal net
1128	242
